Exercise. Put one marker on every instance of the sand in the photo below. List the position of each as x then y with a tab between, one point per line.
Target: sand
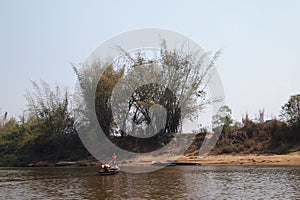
291	159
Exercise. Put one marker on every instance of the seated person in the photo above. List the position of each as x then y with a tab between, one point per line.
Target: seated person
105	167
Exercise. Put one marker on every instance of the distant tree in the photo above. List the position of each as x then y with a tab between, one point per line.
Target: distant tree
10	142
290	111
246	120
223	117
51	122
2	120
51	107
261	117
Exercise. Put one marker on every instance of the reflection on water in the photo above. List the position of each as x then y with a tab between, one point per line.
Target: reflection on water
180	182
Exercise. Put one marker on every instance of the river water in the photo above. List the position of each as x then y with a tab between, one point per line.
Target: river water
178	182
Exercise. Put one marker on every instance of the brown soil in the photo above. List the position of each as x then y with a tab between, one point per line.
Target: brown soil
291	159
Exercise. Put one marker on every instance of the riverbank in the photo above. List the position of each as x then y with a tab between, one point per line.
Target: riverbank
291	159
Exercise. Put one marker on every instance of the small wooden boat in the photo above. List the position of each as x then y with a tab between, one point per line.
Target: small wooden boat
106	173
111	171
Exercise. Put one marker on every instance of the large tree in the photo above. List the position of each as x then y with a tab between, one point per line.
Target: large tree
132	93
180	87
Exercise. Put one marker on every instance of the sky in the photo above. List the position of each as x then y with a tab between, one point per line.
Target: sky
260	40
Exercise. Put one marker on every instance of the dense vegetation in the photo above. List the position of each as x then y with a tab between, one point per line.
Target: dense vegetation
46	131
255	136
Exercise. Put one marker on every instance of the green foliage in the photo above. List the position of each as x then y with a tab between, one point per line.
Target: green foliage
45	133
290	112
11	137
223	117
254	137
52	123
103	94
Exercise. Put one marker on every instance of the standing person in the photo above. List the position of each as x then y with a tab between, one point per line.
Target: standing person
114	159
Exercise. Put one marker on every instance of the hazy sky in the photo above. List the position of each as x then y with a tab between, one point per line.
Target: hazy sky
260	65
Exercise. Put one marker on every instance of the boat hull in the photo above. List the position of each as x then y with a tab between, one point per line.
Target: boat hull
112	171
107	173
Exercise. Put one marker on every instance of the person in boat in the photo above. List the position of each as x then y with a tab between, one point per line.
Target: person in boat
105	167
114	159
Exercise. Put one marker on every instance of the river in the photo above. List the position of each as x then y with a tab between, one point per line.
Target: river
178	182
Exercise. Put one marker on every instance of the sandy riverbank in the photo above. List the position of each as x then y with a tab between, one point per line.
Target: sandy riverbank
291	159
